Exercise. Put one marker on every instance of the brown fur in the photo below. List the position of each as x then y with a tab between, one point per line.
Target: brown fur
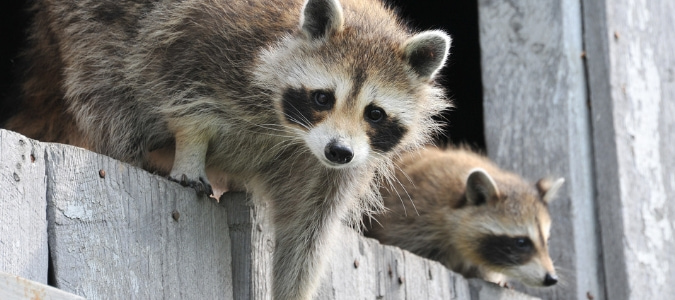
186	86
431	214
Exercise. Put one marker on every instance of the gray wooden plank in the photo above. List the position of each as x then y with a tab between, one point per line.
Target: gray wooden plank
439	281
132	235
631	68
481	290
23	220
362	268
252	237
416	277
392	279
13	287
537	123
459	287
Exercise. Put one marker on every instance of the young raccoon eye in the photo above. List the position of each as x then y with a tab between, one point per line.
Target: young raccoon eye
522	243
322	99
374	113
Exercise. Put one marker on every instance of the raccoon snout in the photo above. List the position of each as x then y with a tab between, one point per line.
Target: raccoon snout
550	279
338	153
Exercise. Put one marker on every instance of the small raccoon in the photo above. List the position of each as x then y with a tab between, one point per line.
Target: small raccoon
303	103
471	216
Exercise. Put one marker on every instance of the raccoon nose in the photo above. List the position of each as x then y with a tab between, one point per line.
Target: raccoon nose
338	153
550	280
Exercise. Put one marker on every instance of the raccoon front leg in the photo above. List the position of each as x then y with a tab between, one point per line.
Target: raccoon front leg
302	247
189	166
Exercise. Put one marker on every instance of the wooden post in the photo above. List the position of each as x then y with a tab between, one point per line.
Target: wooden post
631	67
23	208
537	124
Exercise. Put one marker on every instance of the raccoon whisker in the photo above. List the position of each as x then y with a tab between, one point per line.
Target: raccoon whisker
391	183
307	123
282	146
387	176
296	121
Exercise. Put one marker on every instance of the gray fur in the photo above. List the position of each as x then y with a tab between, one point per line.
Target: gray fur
204	78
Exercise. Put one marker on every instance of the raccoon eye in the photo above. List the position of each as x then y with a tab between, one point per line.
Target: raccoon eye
374	113
522	243
322	99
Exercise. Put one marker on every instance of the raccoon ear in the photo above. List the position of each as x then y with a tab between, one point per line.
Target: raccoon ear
426	52
321	18
480	187
548	188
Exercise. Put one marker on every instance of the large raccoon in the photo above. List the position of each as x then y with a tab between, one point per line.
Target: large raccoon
304	104
470	215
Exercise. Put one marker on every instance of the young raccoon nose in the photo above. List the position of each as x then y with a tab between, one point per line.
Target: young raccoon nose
550	280
338	153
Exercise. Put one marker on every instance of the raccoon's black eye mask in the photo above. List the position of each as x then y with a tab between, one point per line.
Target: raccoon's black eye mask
504	251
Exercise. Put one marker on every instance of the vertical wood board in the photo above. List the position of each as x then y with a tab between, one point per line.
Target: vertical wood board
252	239
632	69
23	208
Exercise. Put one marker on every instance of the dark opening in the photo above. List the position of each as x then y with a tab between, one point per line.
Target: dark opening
13	26
462	75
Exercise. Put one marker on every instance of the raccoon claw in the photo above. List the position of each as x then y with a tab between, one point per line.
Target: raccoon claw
201	186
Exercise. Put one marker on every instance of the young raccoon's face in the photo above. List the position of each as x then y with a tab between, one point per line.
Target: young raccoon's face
351	98
513	226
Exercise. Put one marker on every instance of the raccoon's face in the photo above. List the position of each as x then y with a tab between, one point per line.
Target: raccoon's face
351	99
341	126
513	229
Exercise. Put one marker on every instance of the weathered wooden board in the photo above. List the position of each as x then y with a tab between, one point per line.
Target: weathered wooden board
480	290
631	65
13	287
537	123
127	234
362	268
252	239
23	220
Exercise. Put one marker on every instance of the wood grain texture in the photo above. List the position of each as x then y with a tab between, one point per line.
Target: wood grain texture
252	237
118	236
362	268
23	220
631	67
537	124
13	287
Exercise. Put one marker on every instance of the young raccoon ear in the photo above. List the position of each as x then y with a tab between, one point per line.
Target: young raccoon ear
480	187
321	18
426	52
548	188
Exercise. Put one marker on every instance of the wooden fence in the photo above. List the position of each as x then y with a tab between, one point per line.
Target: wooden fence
101	229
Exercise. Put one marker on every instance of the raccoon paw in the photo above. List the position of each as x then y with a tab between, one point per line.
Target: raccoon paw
201	185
